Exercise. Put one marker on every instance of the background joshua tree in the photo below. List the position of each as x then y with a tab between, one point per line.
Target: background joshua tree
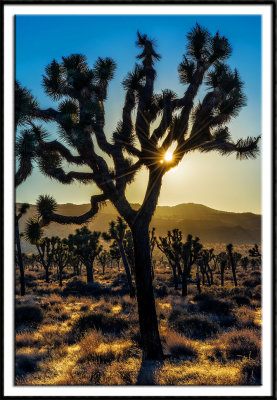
22	210
232	261
86	247
103	258
115	253
82	91
117	232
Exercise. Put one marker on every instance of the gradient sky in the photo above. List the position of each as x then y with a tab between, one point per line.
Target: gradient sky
219	182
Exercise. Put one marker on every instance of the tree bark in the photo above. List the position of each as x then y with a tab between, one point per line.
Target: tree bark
60	276
151	343
185	281
20	261
89	269
127	270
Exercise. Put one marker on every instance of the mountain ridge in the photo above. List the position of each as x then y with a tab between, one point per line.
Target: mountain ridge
209	224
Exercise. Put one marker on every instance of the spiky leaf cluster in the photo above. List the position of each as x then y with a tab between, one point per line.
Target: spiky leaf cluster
25	104
46	203
33	232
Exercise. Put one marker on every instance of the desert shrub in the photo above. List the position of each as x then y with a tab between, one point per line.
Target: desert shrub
241	300
77	287
193	326
179	346
238	344
251	372
101	321
25	338
257	292
252	282
256	274
28	315
215	306
51	336
161	291
25	364
245	318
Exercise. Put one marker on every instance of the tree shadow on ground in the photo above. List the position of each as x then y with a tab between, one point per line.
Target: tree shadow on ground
146	375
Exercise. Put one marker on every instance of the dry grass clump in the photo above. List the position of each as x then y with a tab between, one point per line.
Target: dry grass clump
26	339
251	372
29	315
246	318
193	326
179	346
97	348
51	336
209	304
241	300
193	373
99	321
122	373
236	345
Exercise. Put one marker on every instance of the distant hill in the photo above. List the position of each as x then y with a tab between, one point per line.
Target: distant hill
209	224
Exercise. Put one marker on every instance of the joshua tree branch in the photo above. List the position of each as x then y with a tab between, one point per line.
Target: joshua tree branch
66	178
95	202
24	170
64	152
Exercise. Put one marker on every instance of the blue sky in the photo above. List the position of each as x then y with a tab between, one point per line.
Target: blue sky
40	39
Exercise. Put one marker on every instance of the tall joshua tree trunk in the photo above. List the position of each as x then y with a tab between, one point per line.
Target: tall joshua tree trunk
146	303
20	261
89	269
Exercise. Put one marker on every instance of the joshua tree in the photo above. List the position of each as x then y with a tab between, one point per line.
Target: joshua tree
172	254
82	92
22	210
152	242
61	257
115	253
255	255
129	249
232	261
245	263
46	247
86	245
117	232
222	258
103	258
206	269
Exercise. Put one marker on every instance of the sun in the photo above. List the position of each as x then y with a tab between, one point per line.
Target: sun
168	156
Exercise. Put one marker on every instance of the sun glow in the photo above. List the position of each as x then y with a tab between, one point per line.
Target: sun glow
168	156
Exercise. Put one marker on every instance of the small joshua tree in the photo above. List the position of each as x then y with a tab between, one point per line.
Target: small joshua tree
61	257
22	210
245	263
232	262
82	91
87	247
117	232
222	259
103	258
115	253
